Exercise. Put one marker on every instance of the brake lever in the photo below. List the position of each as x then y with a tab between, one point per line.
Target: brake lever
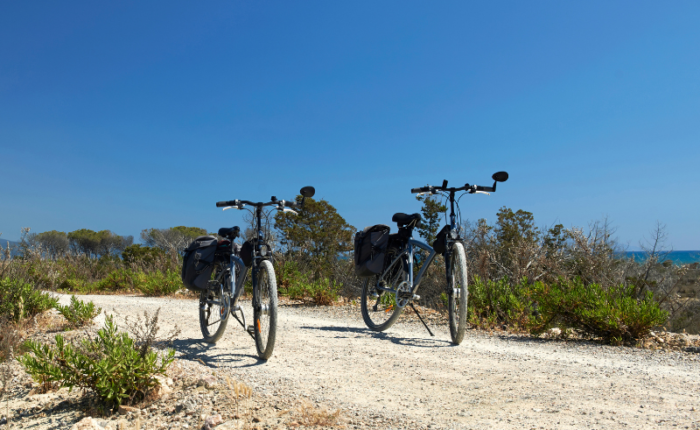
290	210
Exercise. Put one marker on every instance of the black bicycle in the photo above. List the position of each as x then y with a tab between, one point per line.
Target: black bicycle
385	295
230	271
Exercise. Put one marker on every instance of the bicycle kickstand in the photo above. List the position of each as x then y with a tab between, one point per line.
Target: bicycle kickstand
421	319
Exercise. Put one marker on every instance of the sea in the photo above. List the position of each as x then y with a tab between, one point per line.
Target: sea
677	257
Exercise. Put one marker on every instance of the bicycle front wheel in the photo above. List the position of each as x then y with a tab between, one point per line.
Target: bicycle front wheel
265	310
458	293
214	307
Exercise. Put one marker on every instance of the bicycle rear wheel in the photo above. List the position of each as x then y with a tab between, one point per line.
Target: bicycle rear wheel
379	309
457	293
214	307
265	311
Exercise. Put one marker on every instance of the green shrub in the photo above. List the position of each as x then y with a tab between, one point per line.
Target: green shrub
160	284
111	365
78	313
120	280
321	293
142	254
499	302
19	300
613	314
77	285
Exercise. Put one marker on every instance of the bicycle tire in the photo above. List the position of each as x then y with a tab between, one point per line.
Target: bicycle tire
265	317
457	283
383	313
209	310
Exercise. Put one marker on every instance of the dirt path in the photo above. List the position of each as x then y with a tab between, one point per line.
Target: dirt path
404	377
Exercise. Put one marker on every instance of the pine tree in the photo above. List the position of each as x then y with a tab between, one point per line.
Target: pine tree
432	210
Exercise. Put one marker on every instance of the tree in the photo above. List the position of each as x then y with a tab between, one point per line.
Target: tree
432	209
173	238
92	243
515	228
55	243
318	233
146	254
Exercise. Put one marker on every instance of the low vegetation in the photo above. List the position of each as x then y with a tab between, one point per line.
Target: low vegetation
78	313
511	263
20	300
112	365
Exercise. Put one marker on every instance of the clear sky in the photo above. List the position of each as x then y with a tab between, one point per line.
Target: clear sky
130	115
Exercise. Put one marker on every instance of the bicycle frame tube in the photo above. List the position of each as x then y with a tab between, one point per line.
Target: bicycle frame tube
428	261
237	283
408	252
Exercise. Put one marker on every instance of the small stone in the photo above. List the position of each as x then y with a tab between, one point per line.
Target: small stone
87	423
256	419
123	410
207	381
212	422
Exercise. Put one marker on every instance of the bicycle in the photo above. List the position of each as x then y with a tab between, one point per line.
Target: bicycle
231	267
395	287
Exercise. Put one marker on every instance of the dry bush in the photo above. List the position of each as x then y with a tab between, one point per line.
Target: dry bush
310	415
237	391
144	331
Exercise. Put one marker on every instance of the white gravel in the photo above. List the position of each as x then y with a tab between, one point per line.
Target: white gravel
405	378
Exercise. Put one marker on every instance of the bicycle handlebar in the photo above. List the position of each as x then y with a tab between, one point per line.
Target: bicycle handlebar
234	203
471	189
227	203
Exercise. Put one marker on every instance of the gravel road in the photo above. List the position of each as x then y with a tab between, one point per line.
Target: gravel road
405	378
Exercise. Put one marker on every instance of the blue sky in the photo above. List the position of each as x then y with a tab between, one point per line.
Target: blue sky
126	116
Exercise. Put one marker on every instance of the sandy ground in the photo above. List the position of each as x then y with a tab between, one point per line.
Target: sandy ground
405	378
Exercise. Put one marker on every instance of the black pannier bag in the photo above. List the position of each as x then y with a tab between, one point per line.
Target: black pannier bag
440	243
370	250
198	262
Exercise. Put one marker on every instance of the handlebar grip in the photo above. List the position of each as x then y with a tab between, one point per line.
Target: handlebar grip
225	203
420	190
290	204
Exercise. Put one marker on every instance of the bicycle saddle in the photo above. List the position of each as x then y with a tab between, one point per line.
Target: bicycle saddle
402	219
231	232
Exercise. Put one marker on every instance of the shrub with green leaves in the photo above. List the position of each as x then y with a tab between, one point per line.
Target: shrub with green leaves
111	365
160	284
613	314
78	313
323	292
19	300
499	302
120	280
147	255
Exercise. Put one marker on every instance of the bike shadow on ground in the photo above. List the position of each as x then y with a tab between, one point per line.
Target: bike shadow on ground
418	342
211	356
